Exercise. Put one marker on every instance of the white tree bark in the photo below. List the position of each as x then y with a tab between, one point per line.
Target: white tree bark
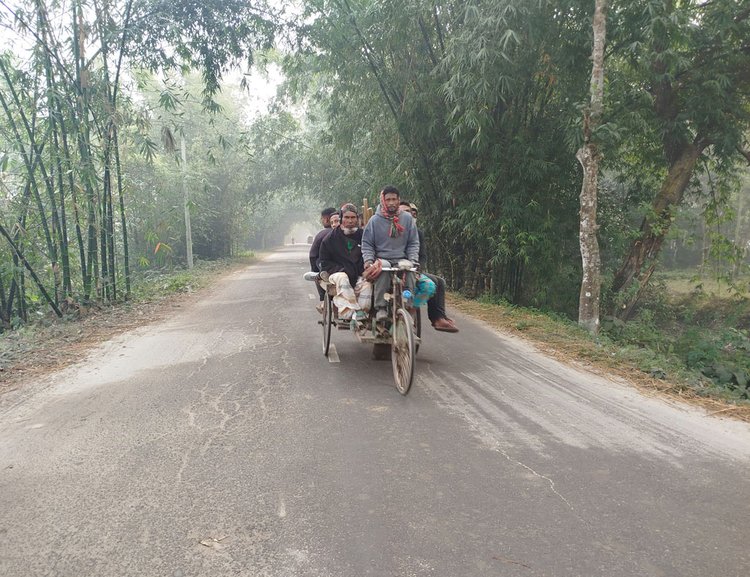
588	155
739	242
186	205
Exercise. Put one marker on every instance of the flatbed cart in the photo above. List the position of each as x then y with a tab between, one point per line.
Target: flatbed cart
401	334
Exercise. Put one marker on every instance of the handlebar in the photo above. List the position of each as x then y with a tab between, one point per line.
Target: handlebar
396	269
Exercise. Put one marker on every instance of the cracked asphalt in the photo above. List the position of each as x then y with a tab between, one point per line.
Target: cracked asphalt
222	442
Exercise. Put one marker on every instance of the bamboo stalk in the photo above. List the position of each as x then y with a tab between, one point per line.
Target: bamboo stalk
26	264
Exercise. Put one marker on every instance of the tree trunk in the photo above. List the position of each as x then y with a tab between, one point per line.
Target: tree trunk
108	234
82	80
640	263
588	155
738	241
12	292
4	319
186	202
123	220
74	202
21	292
705	247
64	244
20	225
107	226
56	124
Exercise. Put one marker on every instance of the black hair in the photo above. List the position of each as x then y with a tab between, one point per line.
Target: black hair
390	190
405	203
328	211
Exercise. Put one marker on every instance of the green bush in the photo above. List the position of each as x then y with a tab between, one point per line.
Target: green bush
642	331
694	336
697	348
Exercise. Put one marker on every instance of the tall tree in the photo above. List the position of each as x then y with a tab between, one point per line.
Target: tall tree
588	156
683	83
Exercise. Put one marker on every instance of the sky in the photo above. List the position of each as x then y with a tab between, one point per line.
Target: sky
262	89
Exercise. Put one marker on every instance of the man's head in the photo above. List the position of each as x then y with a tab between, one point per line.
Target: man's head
335	220
349	219
325	216
410	207
390	197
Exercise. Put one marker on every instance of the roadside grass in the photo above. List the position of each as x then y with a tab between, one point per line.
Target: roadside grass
49	343
692	347
156	284
682	282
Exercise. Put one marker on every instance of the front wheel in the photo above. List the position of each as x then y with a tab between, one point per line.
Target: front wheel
327	322
403	353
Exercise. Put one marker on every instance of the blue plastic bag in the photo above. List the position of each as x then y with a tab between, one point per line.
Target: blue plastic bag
423	291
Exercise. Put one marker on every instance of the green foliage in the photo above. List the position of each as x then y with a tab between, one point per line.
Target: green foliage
724	357
473	109
642	332
466	115
479	105
82	144
213	36
490	299
698	338
154	284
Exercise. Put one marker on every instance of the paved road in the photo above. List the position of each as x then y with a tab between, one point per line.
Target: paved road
223	443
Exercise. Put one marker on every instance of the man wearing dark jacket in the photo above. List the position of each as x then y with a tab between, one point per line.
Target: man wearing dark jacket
436	305
341	261
325	220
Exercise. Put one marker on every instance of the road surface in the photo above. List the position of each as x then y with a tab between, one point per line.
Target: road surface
223	443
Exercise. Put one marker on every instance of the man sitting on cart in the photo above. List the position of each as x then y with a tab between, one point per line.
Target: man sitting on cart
325	220
388	238
436	304
341	260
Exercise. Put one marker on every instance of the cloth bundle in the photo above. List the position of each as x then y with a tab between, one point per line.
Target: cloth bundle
423	290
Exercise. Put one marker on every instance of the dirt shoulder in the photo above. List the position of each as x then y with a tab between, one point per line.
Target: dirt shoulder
53	344
35	351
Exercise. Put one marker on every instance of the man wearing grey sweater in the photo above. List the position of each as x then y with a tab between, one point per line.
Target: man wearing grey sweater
388	238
